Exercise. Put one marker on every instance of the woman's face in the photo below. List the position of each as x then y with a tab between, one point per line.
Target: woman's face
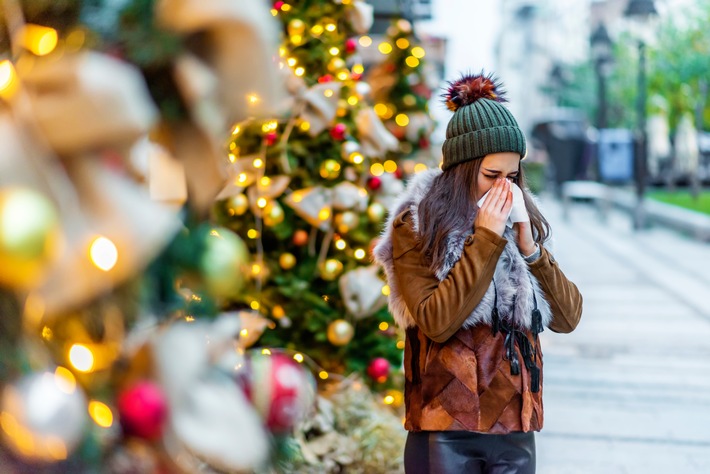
496	165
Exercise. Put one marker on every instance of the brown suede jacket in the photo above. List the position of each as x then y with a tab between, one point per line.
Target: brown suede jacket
457	378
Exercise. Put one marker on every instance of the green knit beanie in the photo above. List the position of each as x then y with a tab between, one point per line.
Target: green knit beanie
481	124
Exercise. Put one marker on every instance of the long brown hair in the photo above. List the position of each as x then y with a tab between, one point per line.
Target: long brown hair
451	199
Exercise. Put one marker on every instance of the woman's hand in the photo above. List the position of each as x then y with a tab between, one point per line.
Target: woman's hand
494	212
526	244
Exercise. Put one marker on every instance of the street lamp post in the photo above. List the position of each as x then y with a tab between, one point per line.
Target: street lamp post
602	55
641	12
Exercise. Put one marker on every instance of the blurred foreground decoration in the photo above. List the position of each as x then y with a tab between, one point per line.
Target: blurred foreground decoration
127	294
108	359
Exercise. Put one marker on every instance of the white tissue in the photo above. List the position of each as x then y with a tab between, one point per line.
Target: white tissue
518	213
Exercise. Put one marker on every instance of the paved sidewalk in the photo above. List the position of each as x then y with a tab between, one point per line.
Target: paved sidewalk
629	390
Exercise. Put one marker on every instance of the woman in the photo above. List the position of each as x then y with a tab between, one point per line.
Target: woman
473	291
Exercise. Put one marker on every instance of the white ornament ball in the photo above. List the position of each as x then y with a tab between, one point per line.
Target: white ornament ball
44	416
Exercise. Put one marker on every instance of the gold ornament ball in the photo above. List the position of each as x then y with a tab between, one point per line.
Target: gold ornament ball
238	204
346	221
376	212
331	269
296	27
224	263
330	169
29	236
287	261
273	214
335	64
340	332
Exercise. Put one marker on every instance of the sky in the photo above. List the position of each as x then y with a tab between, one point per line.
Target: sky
470	27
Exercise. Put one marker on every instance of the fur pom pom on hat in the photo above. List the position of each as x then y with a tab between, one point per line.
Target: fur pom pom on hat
481	124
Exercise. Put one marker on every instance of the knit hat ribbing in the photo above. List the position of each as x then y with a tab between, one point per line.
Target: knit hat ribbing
481	124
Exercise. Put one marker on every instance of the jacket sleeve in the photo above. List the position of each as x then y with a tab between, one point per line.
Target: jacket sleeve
440	307
564	297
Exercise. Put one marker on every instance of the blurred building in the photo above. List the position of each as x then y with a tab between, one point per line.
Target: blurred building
537	39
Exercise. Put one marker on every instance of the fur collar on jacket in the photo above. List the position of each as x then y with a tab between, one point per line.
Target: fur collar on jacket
514	282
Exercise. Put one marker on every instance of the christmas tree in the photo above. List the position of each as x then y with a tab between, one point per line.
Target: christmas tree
309	196
402	88
117	354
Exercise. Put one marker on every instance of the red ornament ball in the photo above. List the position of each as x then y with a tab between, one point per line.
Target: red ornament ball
271	138
398	173
379	369
300	238
325	78
424	143
281	390
350	45
338	131
374	183
143	410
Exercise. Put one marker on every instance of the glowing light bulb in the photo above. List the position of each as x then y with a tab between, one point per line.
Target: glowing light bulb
402	120
359	254
418	52
81	358
365	41
8	79
65	380
390	166
40	40
377	169
298	358
103	254
385	48
101	414
386	290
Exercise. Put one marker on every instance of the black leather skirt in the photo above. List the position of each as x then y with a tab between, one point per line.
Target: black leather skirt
459	452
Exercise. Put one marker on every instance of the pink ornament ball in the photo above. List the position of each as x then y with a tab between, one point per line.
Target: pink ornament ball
374	183
280	389
271	138
143	409
350	45
338	131
379	369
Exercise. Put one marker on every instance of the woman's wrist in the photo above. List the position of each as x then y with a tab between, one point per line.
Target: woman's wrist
531	255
